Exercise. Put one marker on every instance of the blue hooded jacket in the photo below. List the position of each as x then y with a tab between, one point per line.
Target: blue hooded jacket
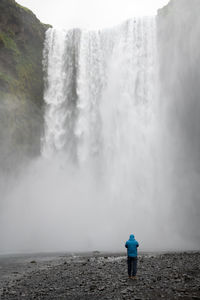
131	246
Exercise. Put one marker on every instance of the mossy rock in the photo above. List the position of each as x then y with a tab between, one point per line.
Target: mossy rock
21	82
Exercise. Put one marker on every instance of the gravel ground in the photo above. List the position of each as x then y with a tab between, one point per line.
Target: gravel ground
100	276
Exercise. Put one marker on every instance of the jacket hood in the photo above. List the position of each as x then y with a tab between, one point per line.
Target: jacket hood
132	237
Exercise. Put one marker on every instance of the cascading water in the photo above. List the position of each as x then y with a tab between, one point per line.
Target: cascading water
101	89
94	79
117	153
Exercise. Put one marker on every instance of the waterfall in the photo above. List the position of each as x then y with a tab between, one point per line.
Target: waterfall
100	96
97	84
117	153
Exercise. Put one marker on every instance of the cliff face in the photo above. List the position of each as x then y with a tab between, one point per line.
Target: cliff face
21	82
179	57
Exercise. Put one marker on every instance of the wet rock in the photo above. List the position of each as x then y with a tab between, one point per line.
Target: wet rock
107	279
101	288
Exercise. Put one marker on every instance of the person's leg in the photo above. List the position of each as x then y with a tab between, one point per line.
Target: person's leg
131	258
134	270
129	266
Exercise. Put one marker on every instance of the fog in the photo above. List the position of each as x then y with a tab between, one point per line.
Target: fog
50	209
116	168
178	36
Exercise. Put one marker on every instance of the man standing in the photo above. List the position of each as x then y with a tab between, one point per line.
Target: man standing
131	246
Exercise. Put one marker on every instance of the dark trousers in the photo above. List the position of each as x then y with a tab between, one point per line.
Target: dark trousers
132	266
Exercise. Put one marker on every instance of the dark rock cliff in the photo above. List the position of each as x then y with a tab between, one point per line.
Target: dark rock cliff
21	83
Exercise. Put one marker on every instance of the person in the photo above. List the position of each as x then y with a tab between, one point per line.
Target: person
132	246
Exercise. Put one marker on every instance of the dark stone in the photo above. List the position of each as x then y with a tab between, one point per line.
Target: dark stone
33	262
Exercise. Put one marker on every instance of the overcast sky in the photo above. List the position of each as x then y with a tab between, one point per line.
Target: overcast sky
90	13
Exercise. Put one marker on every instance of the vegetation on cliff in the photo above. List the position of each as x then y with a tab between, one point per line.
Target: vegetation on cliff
21	82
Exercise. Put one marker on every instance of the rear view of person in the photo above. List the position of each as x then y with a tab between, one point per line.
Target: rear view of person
132	246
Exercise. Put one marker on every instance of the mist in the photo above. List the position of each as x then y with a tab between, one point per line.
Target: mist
120	146
178	35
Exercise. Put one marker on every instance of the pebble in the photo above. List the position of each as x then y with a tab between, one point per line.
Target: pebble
177	276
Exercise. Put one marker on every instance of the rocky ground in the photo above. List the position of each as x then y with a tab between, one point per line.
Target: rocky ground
100	276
